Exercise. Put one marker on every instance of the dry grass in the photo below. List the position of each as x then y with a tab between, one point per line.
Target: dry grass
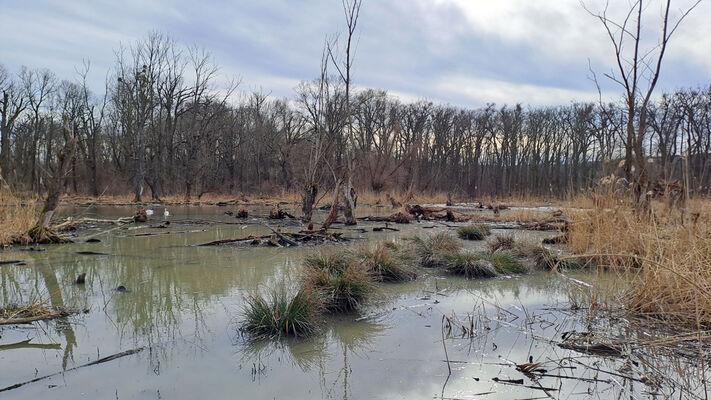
17	216
668	262
36	311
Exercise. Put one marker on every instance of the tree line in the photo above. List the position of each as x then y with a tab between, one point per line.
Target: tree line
169	123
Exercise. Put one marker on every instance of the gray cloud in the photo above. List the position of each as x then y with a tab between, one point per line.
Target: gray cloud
465	52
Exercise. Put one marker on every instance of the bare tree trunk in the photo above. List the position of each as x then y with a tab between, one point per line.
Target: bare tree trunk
349	201
140	167
308	198
56	182
333	214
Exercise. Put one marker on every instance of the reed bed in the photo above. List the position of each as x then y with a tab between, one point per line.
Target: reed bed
17	216
665	256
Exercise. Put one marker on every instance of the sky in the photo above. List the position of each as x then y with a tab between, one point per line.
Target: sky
462	52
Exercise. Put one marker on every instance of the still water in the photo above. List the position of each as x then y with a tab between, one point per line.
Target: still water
183	304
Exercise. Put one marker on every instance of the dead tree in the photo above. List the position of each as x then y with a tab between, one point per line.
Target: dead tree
638	71
41	233
351	10
12	104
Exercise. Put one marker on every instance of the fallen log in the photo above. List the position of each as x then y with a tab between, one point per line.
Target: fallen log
385	228
53	314
71	223
25	344
234	240
280	239
399	217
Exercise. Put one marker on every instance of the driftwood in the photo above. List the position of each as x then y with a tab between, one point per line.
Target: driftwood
399	217
280	239
25	344
53	314
277	213
72	224
384	228
235	240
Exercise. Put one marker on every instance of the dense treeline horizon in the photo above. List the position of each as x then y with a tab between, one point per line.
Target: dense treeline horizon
165	123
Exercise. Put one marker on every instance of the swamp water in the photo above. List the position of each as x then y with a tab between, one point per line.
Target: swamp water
183	304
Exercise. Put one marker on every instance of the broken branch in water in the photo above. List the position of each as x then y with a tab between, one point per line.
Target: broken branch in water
283	238
99	361
25	344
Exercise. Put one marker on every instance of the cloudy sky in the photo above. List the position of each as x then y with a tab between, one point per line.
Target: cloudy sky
463	52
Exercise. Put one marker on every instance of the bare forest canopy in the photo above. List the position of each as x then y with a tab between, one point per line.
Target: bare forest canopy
168	123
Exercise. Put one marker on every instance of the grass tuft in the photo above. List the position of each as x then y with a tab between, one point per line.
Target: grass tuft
279	315
341	281
384	264
433	250
502	242
474	232
333	262
471	266
504	262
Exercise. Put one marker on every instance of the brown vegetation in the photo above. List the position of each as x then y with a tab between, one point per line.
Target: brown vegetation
17	216
665	258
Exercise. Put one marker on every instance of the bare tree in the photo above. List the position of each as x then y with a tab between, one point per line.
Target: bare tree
351	11
637	73
12	104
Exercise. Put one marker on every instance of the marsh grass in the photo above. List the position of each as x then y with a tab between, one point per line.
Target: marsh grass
431	251
340	279
474	232
330	261
385	264
502	242
665	256
470	266
278	314
504	263
17	216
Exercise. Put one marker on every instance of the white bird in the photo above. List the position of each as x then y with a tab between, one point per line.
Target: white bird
149	212
166	213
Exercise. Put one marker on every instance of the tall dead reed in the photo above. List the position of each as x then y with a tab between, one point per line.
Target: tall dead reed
665	255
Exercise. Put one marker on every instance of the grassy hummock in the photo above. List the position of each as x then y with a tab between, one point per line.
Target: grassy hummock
483	265
335	262
433	250
470	265
504	262
385	264
277	314
502	242
340	280
474	232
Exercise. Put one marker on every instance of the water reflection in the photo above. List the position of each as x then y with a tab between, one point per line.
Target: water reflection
183	302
